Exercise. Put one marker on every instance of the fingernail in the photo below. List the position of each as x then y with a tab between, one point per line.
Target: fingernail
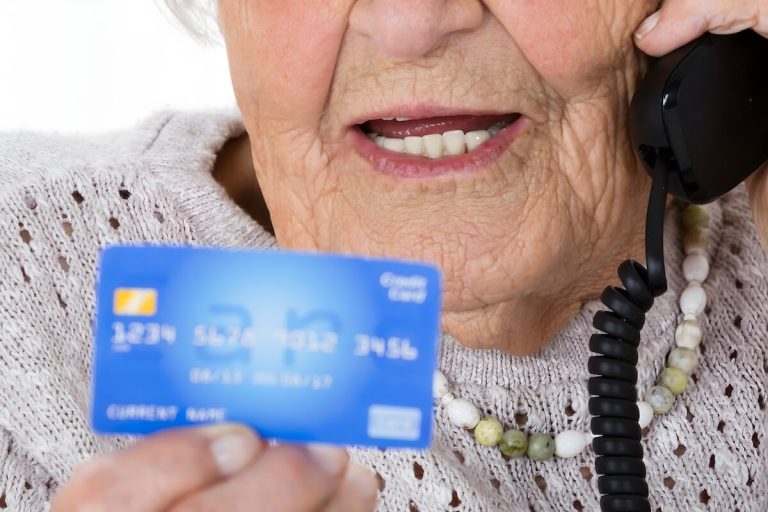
329	459
233	446
649	24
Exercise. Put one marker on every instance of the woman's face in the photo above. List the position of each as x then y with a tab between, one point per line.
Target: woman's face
524	229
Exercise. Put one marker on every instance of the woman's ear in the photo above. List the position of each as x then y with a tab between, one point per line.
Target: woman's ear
757	186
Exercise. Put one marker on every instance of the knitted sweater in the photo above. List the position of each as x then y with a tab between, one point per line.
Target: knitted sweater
63	198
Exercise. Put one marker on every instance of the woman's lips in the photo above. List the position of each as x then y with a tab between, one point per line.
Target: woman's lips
401	158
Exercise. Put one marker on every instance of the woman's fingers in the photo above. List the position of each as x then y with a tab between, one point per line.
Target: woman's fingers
671	27
680	21
221	468
357	493
286	478
159	470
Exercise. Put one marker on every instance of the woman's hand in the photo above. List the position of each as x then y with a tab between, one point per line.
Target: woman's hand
221	468
681	21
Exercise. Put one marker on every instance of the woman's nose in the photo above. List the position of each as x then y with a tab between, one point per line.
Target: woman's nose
411	28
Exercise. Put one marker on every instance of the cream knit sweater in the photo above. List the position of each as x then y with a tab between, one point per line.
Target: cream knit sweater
63	198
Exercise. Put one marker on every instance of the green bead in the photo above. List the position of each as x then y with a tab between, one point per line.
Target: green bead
674	379
660	398
488	432
694	215
540	447
514	443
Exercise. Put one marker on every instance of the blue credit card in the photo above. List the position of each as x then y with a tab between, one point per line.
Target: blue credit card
303	347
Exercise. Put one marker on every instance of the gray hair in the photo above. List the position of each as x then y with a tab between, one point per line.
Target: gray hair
198	17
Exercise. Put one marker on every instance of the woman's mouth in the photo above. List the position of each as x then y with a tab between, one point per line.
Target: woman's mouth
429	146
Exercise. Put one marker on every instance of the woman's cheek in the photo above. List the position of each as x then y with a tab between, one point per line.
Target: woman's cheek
282	55
572	45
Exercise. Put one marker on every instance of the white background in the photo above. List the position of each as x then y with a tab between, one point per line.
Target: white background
85	66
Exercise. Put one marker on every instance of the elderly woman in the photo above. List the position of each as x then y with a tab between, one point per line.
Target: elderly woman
487	137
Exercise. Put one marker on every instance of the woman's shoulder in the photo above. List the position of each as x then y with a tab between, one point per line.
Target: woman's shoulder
26	158
150	183
64	198
723	430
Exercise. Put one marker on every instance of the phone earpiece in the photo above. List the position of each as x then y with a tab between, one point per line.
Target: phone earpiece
703	109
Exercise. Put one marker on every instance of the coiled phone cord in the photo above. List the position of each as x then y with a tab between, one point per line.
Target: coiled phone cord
613	402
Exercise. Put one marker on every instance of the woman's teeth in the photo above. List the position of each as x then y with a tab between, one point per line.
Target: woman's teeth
454	142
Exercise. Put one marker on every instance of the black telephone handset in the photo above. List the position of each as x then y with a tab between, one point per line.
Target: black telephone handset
699	120
704	107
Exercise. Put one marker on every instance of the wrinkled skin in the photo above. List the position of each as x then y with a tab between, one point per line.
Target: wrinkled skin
523	243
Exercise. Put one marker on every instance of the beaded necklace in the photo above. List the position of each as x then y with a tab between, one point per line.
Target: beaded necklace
659	399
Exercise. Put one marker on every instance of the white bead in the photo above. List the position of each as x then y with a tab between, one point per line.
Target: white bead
684	359
696	268
693	299
688	334
463	413
570	443
646	413
447	398
440	385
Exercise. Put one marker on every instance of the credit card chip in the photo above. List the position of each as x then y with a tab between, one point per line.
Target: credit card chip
135	302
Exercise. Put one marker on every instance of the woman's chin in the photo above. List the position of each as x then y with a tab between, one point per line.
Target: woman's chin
519	327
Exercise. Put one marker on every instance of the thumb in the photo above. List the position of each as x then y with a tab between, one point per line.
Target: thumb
757	186
679	22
